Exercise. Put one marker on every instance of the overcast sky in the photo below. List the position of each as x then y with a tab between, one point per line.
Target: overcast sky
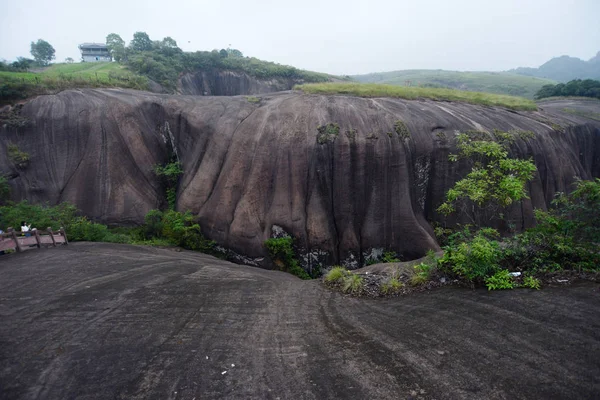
336	36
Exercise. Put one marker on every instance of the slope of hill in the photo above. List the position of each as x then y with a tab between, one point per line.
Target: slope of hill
564	68
490	82
21	85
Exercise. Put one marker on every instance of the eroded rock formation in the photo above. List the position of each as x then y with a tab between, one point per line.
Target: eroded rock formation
230	83
252	165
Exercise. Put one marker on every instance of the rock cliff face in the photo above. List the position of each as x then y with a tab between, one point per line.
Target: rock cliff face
252	166
230	83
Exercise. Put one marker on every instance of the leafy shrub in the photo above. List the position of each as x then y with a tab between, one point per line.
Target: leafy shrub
500	280
82	229
475	259
336	274
170	174
495	180
327	133
352	283
421	274
282	253
401	129
565	237
531	282
253	99
390	257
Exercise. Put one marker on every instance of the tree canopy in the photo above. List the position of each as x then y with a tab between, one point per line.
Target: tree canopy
141	42
42	52
116	46
577	87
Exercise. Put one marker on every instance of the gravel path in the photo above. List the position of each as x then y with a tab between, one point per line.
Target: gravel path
103	321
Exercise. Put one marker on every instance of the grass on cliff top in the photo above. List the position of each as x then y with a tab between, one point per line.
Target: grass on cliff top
57	77
488	82
414	93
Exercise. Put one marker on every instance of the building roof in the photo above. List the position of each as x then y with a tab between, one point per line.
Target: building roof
88	45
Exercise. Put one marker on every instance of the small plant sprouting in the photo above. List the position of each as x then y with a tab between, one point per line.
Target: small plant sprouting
327	133
390	257
401	129
253	99
391	286
352	283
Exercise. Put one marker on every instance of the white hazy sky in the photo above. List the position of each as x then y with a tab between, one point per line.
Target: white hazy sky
334	36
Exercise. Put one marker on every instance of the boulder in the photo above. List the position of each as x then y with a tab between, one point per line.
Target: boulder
344	190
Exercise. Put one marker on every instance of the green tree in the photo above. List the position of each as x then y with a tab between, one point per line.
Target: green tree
141	42
42	52
69	60
116	46
22	64
495	180
168	47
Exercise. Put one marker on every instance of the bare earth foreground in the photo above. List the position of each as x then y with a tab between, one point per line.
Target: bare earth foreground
102	321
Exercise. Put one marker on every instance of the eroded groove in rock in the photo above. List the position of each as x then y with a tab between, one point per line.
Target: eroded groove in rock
250	166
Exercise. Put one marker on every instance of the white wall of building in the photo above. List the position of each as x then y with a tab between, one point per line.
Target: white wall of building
96	58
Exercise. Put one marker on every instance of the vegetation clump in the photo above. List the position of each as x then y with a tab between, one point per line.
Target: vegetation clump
401	129
17	157
576	87
282	253
344	280
500	280
414	93
170	174
170	228
566	237
495	180
253	99
392	286
327	133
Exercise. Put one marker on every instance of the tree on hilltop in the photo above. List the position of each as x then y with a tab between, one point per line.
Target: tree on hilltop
116	46
42	52
141	42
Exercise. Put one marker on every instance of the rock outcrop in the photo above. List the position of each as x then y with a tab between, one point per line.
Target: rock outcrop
230	83
250	166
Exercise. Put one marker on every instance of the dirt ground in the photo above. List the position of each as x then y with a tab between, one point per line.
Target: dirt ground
104	321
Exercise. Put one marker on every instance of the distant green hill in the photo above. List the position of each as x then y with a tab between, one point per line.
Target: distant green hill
564	69
488	82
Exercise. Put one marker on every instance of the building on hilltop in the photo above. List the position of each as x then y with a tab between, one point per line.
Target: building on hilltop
94	52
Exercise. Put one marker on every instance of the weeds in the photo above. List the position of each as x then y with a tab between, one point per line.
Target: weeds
392	286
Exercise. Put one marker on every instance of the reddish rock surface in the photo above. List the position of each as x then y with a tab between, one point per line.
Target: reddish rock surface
251	165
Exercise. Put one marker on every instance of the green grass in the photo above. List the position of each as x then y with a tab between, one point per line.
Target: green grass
586	114
336	274
489	82
414	93
57	77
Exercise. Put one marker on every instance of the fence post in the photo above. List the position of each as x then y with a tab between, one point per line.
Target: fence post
17	244
51	236
62	231
37	238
